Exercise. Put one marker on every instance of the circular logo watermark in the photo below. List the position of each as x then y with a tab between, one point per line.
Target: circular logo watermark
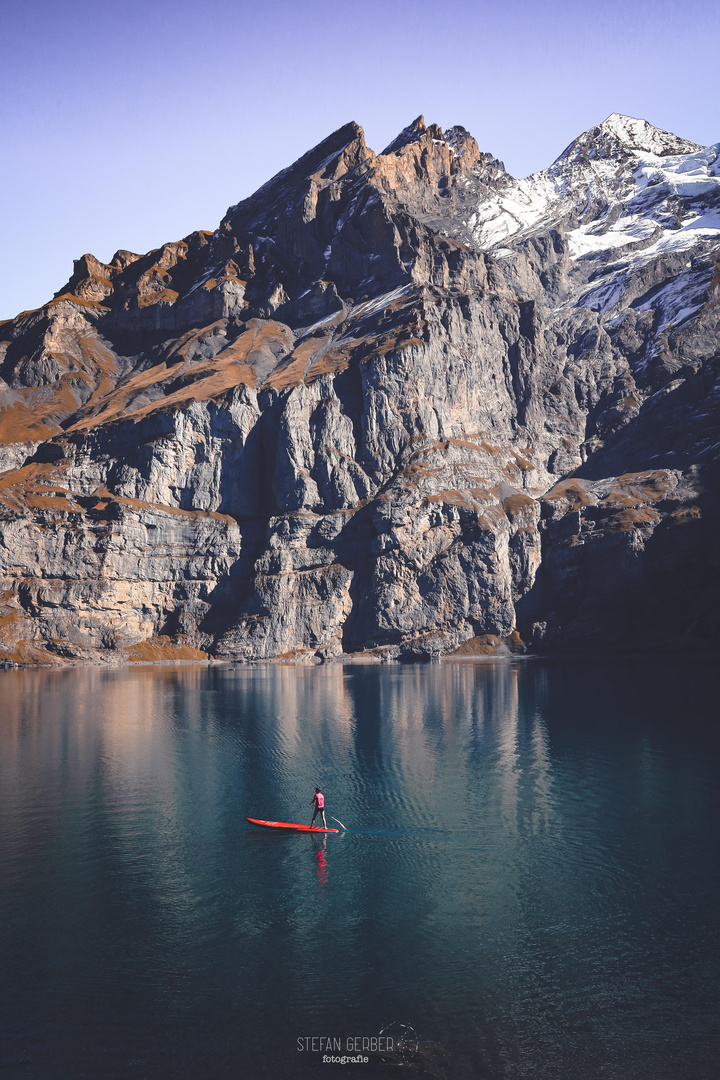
405	1041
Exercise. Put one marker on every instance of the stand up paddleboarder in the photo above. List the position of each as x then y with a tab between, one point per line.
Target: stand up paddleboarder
318	800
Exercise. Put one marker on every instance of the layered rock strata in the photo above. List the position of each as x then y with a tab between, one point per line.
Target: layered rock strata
396	405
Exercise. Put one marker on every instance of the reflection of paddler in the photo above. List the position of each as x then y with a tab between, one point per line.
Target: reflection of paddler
319	800
322	861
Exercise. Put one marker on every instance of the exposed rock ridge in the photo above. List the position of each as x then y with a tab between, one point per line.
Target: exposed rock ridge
394	404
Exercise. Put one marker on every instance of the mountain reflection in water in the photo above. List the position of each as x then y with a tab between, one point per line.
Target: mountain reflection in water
528	879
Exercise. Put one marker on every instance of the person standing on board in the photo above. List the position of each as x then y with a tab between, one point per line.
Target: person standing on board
319	800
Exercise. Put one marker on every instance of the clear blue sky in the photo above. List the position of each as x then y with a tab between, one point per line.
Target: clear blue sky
129	123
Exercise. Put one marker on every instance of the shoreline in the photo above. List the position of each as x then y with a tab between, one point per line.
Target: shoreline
685	655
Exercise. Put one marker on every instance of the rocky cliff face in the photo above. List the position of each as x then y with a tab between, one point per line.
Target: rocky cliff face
398	404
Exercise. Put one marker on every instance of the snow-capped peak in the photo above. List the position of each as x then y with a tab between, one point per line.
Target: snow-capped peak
623	162
622	193
620	134
640	135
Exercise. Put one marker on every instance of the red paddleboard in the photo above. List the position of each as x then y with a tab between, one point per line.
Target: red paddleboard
287	825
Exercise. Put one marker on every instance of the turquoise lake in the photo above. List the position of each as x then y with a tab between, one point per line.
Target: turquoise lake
527	888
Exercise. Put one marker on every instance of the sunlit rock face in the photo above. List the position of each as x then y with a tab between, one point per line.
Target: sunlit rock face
396	405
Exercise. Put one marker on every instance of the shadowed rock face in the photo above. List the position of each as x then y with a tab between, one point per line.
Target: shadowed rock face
397	404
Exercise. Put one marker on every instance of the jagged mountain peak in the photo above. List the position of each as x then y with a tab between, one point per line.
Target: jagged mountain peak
409	134
297	231
460	140
457	138
344	148
620	135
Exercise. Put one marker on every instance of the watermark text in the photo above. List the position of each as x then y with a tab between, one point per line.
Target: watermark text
353	1044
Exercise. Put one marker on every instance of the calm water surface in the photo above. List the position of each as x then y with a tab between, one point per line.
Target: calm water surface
529	880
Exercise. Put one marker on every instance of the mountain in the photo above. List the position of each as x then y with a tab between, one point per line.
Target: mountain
395	405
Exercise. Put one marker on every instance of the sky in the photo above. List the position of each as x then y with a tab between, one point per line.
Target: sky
132	123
